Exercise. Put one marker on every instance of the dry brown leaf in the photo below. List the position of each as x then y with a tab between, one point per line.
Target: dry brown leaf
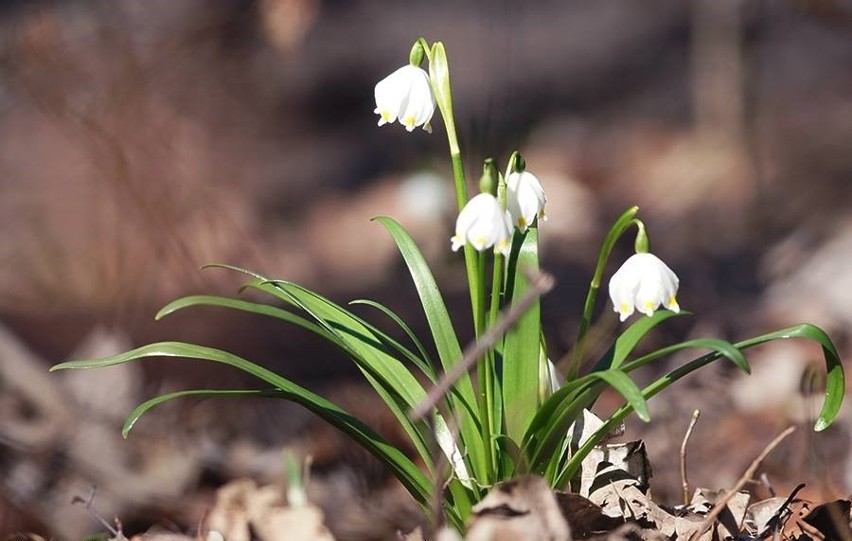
242	507
524	509
730	520
762	517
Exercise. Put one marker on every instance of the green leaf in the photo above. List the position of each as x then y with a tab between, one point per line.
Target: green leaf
422	361
723	347
622	383
558	412
391	379
630	338
444	335
359	340
245	306
417	436
520	380
835	385
562	409
834	393
400	465
146	406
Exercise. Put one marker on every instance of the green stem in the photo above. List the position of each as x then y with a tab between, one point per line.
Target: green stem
485	369
493	414
619	227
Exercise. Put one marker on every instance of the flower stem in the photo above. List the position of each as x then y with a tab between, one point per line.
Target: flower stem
494	419
618	228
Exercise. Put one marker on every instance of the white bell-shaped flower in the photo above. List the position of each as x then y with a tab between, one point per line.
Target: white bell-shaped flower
525	199
483	223
643	283
405	95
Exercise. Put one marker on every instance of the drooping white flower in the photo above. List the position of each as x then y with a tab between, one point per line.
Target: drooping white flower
525	199
643	283
405	95
483	223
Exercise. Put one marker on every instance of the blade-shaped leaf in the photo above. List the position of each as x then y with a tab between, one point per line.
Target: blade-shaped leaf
834	393
627	340
835	385
400	465
622	383
520	380
417	437
367	349
444	335
245	306
422	361
146	406
723	347
385	373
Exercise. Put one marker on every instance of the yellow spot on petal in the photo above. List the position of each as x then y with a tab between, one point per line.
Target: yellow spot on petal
624	308
409	121
478	243
649	306
522	223
385	115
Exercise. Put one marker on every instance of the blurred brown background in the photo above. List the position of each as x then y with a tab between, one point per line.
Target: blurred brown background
140	140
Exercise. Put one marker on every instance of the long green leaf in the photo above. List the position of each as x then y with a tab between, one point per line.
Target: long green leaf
520	380
385	373
422	361
630	338
622	383
400	465
723	347
367	348
834	392
446	340
245	306
559	411
146	406
417	436
543	444
835	385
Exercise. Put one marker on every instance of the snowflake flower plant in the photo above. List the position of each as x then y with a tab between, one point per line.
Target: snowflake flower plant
512	415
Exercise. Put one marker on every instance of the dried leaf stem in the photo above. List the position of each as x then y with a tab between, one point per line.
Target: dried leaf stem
684	482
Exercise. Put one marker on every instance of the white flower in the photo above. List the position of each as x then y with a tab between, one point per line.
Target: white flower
525	199
643	283
483	223
405	95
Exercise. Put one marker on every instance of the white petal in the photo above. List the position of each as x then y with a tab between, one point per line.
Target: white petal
643	283
525	198
483	224
405	95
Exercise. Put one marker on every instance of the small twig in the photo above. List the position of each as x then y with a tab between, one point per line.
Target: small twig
683	480
87	505
749	473
540	283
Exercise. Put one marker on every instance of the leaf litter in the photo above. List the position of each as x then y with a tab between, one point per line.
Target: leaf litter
613	503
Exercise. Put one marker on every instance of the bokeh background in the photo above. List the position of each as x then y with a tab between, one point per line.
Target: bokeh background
141	140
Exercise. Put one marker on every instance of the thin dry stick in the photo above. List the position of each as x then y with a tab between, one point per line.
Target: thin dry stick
746	477
540	283
684	482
